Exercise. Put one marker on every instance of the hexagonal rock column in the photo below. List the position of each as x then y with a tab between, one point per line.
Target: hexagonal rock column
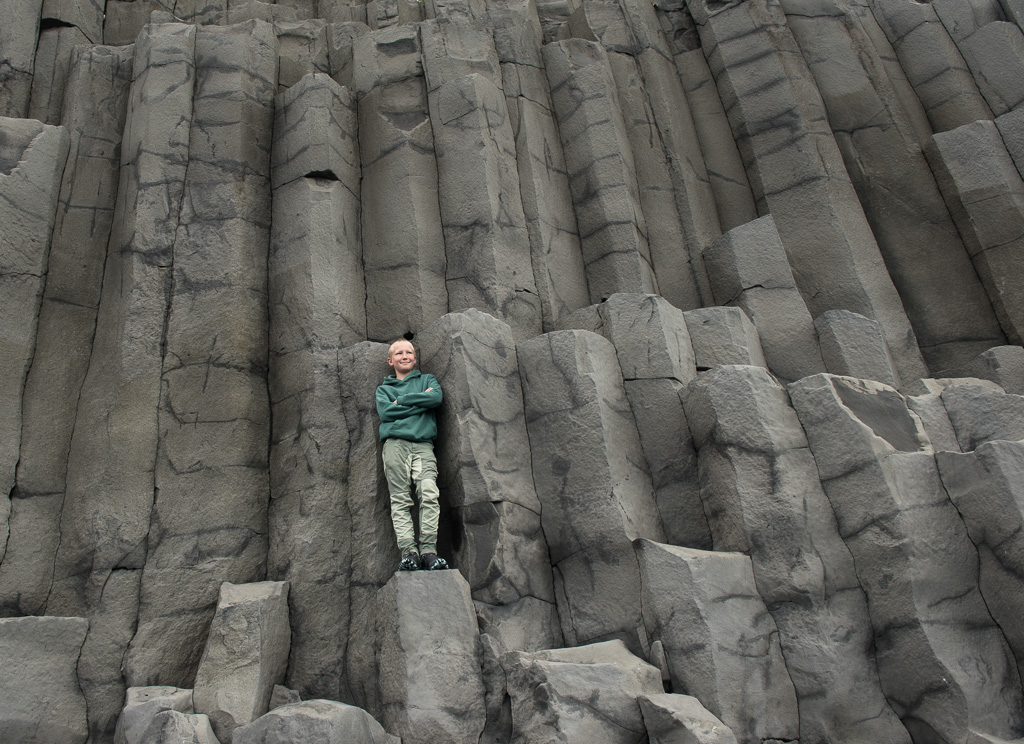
761	490
777	118
403	245
915	561
317	306
987	488
543	181
602	174
42	701
853	346
485	478
1003	365
18	38
881	146
721	644
246	655
486	241
932	62
588	693
723	335
324	721
747	267
588	467
428	652
32	159
656	359
980	412
985	194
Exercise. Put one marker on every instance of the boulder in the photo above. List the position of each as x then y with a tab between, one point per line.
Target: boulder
681	719
142	704
322	721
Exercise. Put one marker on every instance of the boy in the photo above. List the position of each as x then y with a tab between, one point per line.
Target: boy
405	403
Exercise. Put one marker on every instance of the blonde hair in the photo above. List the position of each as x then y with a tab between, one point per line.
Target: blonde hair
391	348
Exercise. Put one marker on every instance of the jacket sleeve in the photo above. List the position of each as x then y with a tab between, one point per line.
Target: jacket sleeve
389	411
424	399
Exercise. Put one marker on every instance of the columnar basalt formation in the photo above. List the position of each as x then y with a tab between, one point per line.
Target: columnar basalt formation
724	298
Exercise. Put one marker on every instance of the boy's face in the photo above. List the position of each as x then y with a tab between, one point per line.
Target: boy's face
402	359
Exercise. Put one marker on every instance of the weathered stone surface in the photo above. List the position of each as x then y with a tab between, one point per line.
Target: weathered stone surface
853	345
777	117
96	105
914	559
1011	129
483	458
747	267
53	61
209	523
173	727
142	704
987	488
983	414
589	694
324	721
18	38
985	195
429	658
723	335
42	700
246	654
721	643
995	54
124	20
403	245
932	62
486	241
588	468
282	696
681	719
929	408
302	50
924	255
602	175
760	487
726	175
1003	365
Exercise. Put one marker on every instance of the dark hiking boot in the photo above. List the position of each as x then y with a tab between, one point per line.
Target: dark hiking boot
410	561
434	562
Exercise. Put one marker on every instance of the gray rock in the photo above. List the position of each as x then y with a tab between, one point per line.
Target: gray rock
726	175
428	651
142	704
747	267
53	61
42	700
124	20
32	158
403	245
881	146
302	50
588	468
833	254
590	693
214	410
987	488
246	655
326	721
995	54
853	345
914	559
1011	129
18	39
602	174
681	719
1003	365
172	727
483	455
86	15
985	195
282	696
983	414
929	408
723	335
933	64
721	643
760	487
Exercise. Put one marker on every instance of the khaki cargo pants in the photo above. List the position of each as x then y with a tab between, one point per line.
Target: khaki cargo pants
407	463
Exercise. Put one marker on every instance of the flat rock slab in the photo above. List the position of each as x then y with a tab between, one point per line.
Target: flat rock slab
246	654
42	700
321	721
681	719
583	694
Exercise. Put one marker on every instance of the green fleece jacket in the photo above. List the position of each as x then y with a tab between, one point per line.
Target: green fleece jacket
406	409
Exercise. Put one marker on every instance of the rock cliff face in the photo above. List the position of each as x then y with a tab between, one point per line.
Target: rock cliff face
726	299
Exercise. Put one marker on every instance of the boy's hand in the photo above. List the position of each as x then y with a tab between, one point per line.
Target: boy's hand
428	390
